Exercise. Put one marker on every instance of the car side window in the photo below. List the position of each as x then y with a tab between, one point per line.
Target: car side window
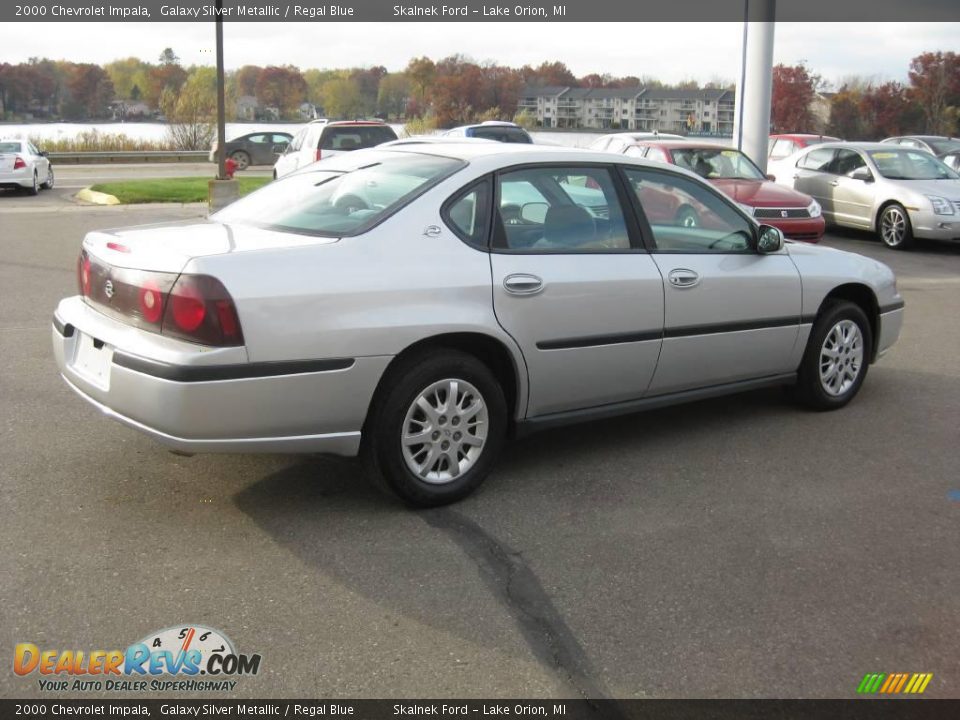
635	151
656	155
846	162
259	139
686	217
818	159
32	148
559	209
468	213
781	148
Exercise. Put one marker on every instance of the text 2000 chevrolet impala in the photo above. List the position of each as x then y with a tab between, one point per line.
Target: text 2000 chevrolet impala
419	304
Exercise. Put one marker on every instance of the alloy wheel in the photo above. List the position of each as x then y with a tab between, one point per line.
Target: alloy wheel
444	431
893	226
841	358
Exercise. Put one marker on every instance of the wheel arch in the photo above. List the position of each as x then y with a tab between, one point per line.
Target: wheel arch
865	298
507	366
883	206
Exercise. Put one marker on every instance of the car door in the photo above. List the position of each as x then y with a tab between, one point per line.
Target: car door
811	175
730	313
852	197
574	287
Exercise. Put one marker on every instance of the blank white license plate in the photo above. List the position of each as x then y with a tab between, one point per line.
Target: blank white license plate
93	362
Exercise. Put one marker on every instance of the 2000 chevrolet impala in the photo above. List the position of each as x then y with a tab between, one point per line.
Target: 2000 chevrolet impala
419	304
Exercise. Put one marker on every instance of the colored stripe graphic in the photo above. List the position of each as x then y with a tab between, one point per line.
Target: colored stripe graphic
894	683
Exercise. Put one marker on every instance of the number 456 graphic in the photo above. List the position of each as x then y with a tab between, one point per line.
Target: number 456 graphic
894	683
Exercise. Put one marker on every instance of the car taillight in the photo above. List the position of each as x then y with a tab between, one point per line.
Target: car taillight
200	309
317	154
19	164
83	273
196	308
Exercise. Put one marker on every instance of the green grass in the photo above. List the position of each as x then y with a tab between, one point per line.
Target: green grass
170	190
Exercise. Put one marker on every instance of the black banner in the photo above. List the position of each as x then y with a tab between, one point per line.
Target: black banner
472	10
855	709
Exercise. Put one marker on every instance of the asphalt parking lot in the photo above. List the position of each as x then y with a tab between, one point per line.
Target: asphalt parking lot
740	547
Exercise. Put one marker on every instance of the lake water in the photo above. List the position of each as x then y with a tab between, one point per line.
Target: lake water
158	131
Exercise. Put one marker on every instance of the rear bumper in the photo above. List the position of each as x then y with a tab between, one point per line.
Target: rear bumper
17	178
191	404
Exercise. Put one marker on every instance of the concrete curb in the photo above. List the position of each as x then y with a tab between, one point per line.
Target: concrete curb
96	198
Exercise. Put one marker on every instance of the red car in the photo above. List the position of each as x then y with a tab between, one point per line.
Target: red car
780	146
735	175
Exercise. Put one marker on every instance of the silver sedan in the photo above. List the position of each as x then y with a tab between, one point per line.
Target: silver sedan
899	193
420	304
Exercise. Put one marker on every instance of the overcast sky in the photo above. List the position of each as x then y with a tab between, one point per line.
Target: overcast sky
668	51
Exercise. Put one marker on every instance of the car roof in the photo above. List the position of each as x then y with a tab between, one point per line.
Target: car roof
800	135
681	144
858	145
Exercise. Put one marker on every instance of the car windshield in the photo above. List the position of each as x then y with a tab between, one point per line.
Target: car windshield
334	204
356	137
9	147
910	165
717	163
944	146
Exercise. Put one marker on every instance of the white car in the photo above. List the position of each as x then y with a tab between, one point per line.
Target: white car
23	166
618	142
323	139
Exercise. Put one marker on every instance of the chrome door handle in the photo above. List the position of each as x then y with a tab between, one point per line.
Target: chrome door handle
683	278
834	182
522	284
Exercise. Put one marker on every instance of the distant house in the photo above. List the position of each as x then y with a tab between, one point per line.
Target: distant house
130	110
246	108
308	111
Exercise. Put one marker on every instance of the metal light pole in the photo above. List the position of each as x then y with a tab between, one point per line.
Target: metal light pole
751	128
221	101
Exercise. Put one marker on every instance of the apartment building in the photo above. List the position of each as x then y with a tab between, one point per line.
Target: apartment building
708	112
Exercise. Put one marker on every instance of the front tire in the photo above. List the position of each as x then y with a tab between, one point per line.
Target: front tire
35	188
837	357
48	185
894	227
436	428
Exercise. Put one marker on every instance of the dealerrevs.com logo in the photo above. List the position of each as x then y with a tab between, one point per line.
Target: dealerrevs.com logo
185	658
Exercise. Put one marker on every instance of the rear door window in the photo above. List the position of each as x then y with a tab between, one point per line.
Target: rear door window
818	159
355	137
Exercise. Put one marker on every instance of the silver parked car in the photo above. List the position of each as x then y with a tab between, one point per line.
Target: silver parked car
900	193
420	304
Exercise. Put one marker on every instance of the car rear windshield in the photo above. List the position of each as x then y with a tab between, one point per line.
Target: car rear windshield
355	137
502	134
9	147
944	146
335	204
911	165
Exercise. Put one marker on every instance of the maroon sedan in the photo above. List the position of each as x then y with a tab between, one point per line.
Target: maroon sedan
734	174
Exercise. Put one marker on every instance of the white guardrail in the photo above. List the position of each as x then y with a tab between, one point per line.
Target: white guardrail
127	157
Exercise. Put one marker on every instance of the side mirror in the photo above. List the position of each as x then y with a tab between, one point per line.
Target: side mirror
862	173
44	153
771	178
770	240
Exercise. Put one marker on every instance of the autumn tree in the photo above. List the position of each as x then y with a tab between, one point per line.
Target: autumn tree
421	72
935	84
342	98
281	87
792	96
90	91
845	120
192	111
126	74
886	110
549	73
246	79
392	94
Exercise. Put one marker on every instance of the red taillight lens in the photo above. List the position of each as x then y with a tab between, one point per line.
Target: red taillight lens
200	309
83	273
188	306
151	302
317	154
19	164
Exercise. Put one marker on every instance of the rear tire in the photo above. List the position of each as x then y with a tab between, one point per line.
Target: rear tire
894	228
837	357
241	158
425	448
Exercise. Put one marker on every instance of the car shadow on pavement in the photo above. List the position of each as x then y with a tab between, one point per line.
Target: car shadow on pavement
332	520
